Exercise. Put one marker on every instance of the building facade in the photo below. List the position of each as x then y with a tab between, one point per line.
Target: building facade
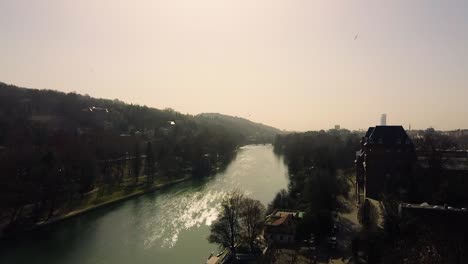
384	163
280	227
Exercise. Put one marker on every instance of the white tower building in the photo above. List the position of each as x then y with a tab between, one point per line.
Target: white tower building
383	120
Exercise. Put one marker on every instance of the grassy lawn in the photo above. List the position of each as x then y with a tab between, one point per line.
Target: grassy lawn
100	196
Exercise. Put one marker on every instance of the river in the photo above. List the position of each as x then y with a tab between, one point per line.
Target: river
167	226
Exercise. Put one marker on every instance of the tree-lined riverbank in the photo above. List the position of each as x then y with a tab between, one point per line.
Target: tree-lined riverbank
56	149
166	226
112	199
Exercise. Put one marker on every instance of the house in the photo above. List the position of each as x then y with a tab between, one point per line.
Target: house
95	109
99	116
384	163
280	227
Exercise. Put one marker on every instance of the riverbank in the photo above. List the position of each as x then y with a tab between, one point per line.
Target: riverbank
169	225
106	202
102	196
113	201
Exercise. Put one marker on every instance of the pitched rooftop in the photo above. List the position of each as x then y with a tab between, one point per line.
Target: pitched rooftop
279	217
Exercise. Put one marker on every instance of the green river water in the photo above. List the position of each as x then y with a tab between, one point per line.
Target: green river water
167	226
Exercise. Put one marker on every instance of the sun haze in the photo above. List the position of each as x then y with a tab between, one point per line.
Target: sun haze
295	65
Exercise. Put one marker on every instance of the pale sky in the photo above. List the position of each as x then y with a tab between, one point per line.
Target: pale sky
292	64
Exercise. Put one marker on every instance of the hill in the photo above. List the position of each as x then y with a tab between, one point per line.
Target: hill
62	151
253	132
71	112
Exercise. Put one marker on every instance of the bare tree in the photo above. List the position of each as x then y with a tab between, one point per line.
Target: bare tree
252	217
225	231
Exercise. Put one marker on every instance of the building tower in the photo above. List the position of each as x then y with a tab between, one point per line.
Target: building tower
383	165
383	120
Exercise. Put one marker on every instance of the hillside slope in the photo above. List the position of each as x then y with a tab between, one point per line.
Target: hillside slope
22	108
253	132
56	148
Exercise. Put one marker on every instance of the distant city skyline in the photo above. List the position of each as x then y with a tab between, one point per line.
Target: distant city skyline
295	65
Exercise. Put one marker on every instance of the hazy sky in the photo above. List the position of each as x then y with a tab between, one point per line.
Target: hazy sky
291	64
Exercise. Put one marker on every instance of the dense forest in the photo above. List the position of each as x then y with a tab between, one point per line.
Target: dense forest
320	169
253	132
61	151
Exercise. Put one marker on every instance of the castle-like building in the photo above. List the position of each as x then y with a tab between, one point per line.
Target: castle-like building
384	163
